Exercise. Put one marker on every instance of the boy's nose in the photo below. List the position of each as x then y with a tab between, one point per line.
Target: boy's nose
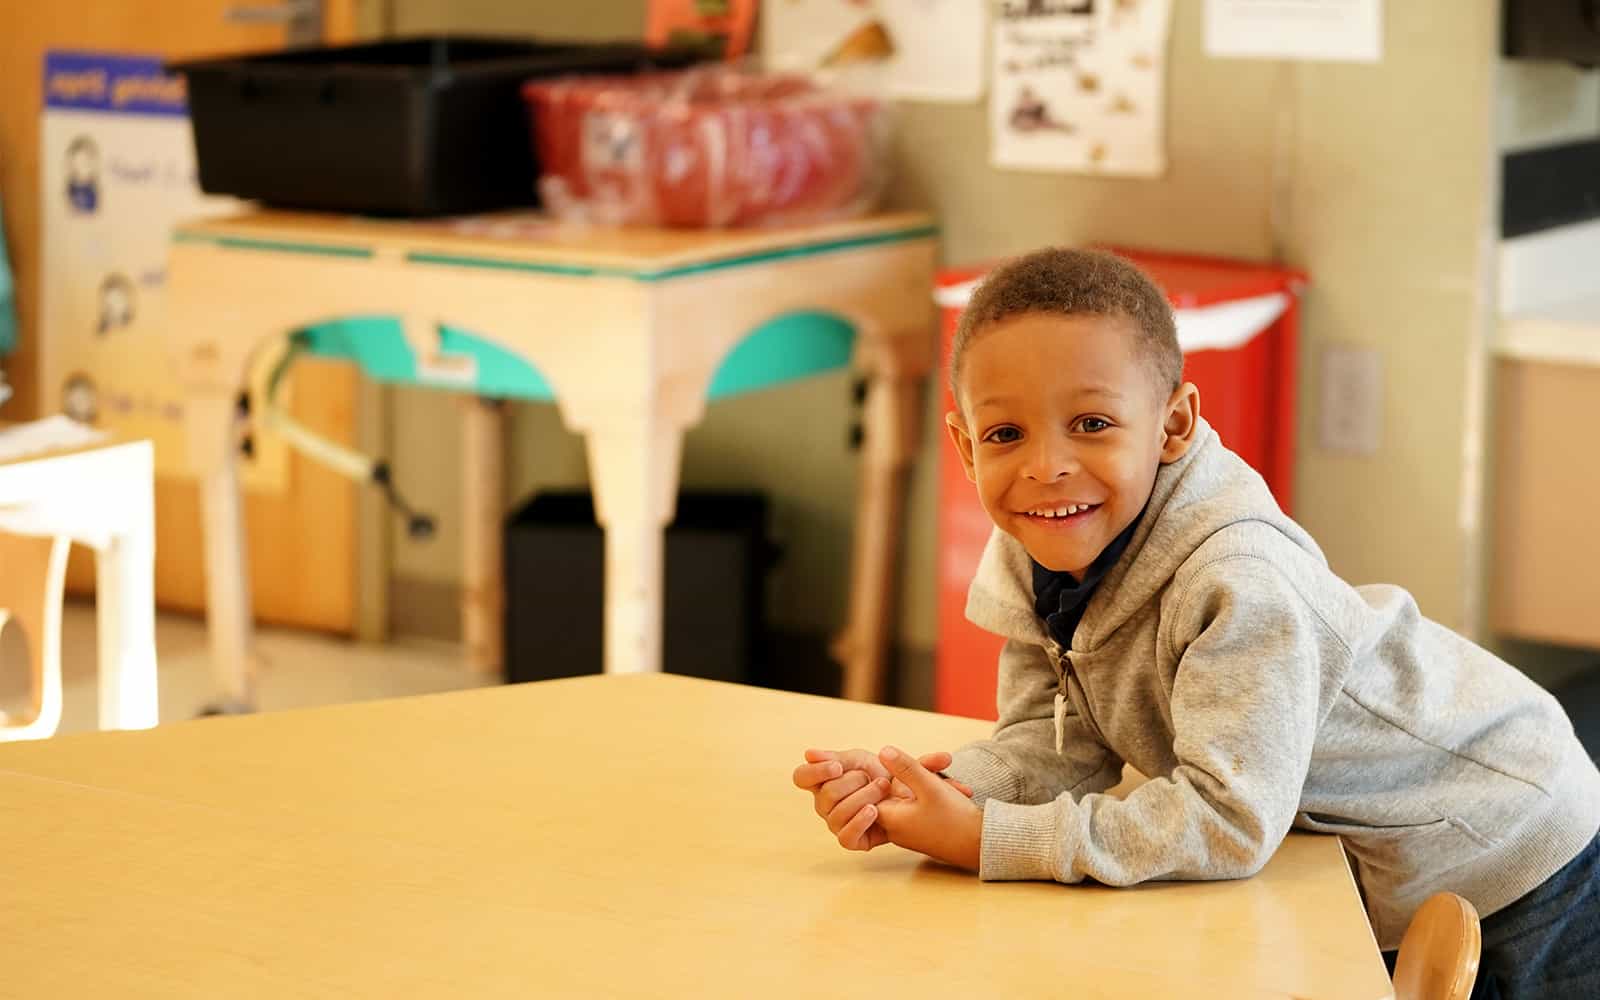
1050	460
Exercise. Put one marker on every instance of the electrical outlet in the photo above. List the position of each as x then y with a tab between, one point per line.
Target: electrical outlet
1351	418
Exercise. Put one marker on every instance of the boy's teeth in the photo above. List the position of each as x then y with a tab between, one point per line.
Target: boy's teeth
1066	511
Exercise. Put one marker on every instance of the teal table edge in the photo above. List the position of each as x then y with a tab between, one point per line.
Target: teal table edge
490	262
789	347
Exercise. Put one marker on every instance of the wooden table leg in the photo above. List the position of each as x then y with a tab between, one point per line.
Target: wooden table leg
483	494
214	429
633	466
373	518
889	426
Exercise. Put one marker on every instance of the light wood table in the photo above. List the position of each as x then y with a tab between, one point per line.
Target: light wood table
606	836
627	331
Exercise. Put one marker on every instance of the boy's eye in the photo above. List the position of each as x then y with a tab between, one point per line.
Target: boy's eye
1003	435
1093	425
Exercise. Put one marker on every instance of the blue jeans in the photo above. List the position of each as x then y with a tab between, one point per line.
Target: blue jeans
1545	945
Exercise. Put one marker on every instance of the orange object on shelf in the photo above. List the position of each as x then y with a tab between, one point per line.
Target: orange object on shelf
1238	325
675	21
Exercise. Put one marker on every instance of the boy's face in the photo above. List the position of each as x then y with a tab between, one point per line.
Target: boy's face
1063	412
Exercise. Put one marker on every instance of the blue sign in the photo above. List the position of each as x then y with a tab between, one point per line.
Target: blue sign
93	81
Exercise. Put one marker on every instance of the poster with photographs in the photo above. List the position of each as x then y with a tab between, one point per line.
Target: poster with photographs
117	173
1080	86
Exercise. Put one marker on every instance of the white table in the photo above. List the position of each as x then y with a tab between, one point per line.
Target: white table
101	496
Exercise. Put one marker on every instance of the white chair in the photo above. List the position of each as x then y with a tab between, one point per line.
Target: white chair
33	574
101	494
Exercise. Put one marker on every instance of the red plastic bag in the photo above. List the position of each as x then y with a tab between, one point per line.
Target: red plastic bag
711	146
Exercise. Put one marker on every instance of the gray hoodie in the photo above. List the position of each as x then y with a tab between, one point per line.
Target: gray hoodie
1222	657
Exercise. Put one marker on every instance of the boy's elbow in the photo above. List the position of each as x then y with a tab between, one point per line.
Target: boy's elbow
1224	866
1252	864
1242	855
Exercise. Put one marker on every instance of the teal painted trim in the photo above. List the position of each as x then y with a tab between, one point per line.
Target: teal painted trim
276	246
376	343
501	373
283	246
570	270
790	347
793	346
501	264
791	253
573	270
379	346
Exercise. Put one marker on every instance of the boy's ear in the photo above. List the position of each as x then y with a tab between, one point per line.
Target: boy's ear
1183	420
957	426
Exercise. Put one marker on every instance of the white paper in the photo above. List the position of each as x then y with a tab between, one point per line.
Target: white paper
800	35
1336	30
938	48
1080	85
57	433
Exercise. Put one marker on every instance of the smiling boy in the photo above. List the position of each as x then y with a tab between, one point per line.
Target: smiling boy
1161	611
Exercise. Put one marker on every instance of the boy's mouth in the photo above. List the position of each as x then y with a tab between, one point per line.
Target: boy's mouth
1060	515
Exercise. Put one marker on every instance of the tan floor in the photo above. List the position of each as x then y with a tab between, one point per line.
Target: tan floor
299	669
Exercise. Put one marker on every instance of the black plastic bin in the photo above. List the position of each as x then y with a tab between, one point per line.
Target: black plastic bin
416	127
714	619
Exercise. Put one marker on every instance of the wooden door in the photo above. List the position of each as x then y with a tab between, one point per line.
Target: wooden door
303	541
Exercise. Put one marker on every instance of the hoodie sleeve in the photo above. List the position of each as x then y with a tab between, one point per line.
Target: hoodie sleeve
1019	763
1245	707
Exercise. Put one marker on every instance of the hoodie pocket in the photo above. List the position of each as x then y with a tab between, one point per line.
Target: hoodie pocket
1434	846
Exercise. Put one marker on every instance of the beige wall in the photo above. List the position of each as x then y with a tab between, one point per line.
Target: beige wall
1537	103
1375	178
1392	211
551	18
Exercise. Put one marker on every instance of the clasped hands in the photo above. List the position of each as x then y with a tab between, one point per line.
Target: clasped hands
870	799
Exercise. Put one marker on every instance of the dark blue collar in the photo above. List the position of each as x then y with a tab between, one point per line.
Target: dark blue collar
1059	597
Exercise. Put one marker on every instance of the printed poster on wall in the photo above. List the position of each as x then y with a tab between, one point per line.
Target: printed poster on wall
1080	86
117	173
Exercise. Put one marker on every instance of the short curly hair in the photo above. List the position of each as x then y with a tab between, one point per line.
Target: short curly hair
1072	282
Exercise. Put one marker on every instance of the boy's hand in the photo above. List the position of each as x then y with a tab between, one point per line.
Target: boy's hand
847	785
924	814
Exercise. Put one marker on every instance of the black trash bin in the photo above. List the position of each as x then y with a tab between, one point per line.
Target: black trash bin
714	620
